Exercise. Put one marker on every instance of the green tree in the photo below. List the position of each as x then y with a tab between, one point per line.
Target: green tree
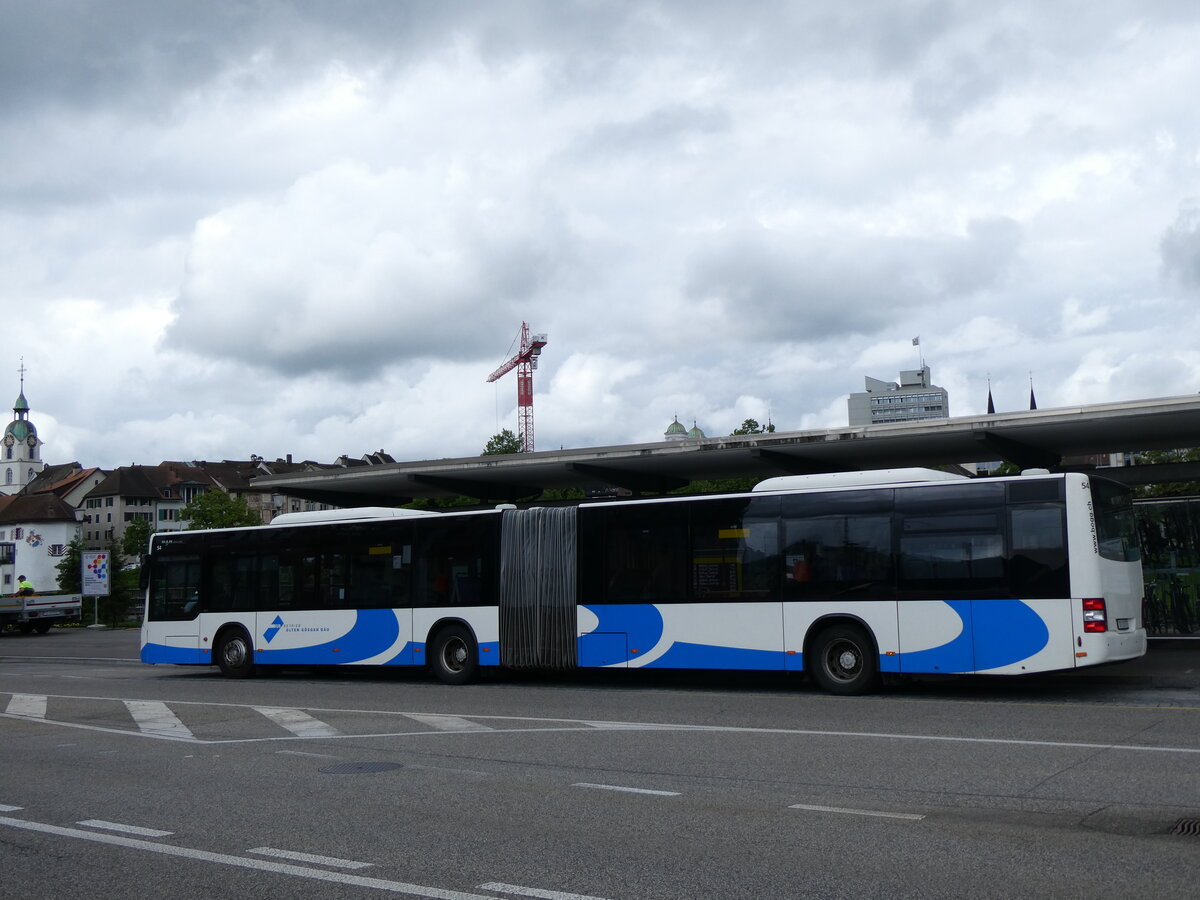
218	509
70	567
504	442
751	426
114	609
1162	457
136	541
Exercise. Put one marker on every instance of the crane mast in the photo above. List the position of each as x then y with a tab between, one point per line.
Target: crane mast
524	362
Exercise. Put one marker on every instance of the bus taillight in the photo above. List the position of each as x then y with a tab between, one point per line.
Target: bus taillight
1095	616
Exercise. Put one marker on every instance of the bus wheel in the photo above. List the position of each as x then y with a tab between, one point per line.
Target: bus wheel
454	658
42	627
844	660
235	656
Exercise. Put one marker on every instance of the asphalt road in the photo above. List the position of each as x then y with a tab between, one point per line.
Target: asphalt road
118	779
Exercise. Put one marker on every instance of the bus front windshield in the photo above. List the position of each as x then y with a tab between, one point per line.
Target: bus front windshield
1116	529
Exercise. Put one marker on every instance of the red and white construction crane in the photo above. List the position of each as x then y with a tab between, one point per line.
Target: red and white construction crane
524	362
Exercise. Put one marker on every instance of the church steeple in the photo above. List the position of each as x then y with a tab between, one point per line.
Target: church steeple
20	456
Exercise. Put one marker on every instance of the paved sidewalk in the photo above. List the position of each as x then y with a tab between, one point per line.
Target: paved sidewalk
1169	663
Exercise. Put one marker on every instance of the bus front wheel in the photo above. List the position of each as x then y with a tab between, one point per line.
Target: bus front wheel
235	656
844	660
454	658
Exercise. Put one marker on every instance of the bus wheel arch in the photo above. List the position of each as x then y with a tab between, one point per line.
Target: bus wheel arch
233	652
453	652
841	655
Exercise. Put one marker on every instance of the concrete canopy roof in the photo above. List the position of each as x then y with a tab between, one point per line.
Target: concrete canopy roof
1037	438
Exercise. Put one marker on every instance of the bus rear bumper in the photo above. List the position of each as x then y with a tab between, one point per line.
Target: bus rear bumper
1112	647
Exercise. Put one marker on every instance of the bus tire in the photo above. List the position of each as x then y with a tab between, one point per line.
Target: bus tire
42	627
235	654
844	660
455	659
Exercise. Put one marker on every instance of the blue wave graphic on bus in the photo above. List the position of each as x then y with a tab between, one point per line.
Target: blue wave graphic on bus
683	655
642	624
179	656
994	633
1006	632
374	632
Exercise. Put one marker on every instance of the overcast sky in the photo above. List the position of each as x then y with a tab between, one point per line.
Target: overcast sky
239	228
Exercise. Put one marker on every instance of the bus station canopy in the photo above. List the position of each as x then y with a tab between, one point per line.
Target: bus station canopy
1041	438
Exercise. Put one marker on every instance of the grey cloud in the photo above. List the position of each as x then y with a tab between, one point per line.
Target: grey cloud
319	298
1180	248
770	288
948	86
661	130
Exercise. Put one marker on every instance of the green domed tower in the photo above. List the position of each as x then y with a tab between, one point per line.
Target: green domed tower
20	450
675	431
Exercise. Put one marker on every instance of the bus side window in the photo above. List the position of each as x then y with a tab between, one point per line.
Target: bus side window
1038	562
735	549
455	562
952	542
175	589
838	545
645	554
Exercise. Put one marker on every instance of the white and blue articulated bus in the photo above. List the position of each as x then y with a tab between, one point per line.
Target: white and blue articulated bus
844	577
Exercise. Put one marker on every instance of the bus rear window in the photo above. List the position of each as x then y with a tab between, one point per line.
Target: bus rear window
1116	530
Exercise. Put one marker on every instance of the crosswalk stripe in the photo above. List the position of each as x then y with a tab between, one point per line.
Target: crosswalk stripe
31	705
448	723
155	717
297	722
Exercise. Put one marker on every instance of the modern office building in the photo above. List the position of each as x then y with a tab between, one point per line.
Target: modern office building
913	398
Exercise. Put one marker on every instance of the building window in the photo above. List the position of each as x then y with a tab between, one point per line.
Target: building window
58	550
18	533
108	501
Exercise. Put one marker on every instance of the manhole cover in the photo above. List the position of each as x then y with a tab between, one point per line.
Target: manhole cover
1189	827
360	768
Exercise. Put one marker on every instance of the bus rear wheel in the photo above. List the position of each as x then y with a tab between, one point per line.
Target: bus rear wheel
844	660
235	656
454	658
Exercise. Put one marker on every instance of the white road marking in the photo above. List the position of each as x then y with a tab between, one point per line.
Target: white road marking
447	723
245	862
298	722
30	705
311	858
858	812
302	753
155	717
558	724
533	892
4	807
628	790
124	829
448	769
